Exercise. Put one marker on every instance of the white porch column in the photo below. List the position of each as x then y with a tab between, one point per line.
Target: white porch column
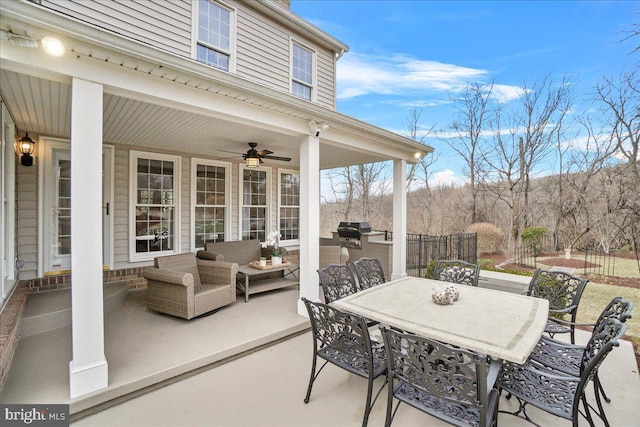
309	220
88	370
399	219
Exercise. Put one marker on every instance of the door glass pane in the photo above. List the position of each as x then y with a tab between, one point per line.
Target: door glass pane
64	207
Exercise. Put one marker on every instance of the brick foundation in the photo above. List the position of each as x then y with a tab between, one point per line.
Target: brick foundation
10	328
63	281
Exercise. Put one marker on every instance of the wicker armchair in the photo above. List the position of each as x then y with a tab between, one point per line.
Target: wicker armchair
185	286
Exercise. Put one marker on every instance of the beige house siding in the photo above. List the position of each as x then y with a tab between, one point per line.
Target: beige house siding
27	220
162	24
262	45
121	208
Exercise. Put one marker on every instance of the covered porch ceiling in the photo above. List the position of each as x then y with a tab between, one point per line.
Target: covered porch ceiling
43	107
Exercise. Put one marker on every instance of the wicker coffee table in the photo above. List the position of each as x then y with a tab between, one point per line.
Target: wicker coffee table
253	284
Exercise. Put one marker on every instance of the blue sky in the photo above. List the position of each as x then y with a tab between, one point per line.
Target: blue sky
404	53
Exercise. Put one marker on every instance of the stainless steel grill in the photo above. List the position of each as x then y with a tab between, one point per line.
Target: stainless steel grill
350	233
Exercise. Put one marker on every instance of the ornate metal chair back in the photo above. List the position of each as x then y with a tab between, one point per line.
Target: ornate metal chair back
337	282
457	271
606	333
369	272
339	330
440	379
562	290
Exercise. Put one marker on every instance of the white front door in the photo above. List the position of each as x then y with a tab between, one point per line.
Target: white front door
56	206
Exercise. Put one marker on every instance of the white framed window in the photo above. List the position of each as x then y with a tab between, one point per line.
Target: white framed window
303	71
154	217
210	202
214	34
255	195
289	205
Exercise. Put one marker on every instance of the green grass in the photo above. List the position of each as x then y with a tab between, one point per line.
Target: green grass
623	267
596	297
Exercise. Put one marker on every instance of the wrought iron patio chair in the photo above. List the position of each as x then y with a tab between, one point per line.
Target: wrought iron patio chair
568	358
343	339
444	381
557	393
337	282
456	271
563	291
369	272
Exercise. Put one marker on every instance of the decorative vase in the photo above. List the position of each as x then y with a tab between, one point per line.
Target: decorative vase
276	260
442	296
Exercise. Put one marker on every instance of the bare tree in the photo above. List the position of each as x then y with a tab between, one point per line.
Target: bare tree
420	171
468	129
544	107
620	99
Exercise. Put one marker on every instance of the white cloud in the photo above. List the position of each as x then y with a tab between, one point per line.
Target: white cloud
362	74
446	177
503	93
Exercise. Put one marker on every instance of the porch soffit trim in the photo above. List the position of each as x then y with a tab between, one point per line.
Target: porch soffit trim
99	44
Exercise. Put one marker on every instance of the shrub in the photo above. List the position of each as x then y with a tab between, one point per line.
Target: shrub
429	270
489	236
532	238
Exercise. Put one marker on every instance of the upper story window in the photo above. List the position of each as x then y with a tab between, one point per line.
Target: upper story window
214	35
302	72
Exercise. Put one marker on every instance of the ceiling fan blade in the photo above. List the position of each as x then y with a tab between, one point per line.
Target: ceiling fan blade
263	153
282	159
226	158
233	152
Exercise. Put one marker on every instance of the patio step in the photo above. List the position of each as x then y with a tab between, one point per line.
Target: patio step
46	311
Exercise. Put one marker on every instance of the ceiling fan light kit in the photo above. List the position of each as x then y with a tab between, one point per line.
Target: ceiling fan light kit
253	158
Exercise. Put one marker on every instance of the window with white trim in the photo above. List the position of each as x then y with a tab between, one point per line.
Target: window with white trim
254	202
154	205
289	204
302	75
210	199
214	35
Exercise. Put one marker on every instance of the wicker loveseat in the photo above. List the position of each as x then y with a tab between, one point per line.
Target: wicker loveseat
185	286
241	252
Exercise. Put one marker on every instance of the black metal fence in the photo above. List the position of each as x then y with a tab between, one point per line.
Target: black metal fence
586	261
422	249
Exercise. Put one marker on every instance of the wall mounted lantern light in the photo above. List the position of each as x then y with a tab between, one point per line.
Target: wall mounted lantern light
26	146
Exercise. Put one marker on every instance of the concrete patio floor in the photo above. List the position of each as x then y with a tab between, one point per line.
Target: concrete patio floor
145	348
266	388
222	370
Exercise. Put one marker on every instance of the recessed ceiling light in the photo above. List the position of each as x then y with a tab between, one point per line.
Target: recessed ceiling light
52	46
